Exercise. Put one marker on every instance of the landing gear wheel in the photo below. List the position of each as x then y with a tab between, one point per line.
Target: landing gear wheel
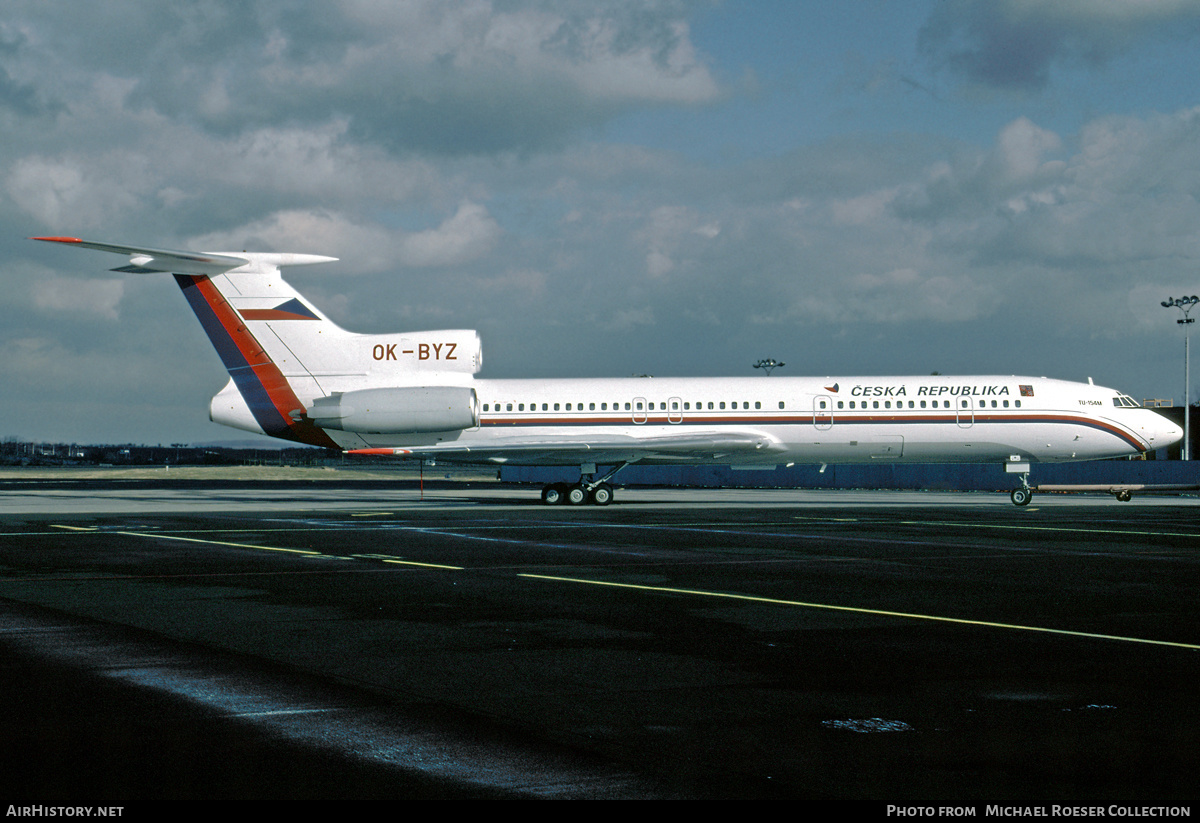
1021	497
1124	496
577	495
554	494
602	495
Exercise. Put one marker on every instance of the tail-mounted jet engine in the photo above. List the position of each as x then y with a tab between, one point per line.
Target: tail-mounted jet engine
399	410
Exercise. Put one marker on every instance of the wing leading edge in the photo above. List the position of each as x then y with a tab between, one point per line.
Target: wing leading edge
705	446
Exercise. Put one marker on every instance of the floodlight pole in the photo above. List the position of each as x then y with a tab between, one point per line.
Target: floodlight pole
1185	305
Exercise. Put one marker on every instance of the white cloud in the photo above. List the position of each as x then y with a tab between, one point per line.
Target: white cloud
465	236
468	235
46	189
1021	147
74	296
307	232
673	231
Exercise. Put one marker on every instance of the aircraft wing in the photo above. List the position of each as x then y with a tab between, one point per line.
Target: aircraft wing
701	447
146	260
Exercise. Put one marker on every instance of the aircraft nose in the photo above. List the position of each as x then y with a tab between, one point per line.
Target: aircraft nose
1164	432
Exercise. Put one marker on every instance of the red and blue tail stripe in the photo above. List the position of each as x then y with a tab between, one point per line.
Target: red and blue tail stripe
262	385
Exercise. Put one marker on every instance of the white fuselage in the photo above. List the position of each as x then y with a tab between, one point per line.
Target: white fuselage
800	420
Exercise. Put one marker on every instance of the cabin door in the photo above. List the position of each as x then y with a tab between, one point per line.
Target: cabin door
966	414
639	410
823	412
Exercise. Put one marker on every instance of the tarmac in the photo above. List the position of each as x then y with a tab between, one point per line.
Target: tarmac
216	637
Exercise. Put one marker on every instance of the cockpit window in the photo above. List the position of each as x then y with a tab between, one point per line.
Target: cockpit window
1124	401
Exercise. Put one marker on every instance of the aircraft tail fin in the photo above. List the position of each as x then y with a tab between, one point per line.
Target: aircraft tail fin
266	399
281	352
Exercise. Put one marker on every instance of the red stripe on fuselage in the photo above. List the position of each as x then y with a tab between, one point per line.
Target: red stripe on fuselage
826	420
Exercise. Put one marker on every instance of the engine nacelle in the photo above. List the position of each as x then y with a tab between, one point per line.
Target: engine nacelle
398	410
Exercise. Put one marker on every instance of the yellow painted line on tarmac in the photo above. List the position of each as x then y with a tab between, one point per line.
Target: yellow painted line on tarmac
861	610
219	543
423	565
73	528
387	558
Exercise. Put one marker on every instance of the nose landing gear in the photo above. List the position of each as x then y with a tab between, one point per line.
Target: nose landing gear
1021	496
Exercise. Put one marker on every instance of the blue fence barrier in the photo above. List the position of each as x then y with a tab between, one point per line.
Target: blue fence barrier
951	476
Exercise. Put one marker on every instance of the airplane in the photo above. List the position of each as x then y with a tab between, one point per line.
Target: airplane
296	375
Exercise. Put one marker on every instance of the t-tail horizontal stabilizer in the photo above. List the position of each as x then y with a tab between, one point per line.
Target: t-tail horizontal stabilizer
144	260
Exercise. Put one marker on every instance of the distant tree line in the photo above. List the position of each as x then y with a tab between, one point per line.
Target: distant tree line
17	452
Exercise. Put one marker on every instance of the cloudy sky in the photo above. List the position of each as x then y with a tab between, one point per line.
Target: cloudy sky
602	187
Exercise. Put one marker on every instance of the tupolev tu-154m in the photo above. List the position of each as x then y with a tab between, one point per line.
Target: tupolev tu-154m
296	375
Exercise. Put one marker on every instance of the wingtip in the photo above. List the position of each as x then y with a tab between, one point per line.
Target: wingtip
58	239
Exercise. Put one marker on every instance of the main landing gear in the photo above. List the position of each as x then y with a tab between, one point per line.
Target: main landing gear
589	489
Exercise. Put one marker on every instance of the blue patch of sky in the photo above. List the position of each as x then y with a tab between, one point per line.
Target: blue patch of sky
800	73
